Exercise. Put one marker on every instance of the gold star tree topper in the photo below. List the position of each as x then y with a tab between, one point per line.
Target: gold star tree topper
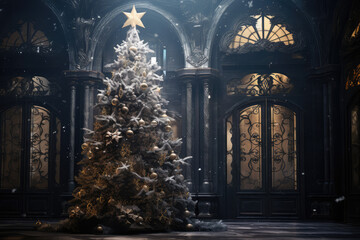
134	18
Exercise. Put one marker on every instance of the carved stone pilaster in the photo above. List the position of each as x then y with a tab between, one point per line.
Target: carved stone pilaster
82	83
199	131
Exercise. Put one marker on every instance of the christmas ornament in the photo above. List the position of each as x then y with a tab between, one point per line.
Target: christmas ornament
111	201
157	106
187	213
162	193
108	90
164	115
167	121
189	226
181	177
153	175
139	219
173	155
133	48
143	86
121	93
129	133
141	122
84	146
144	74
117	171
154	123
38	223
99	229
115	101
90	154
168	128
125	109
155	148
81	193
146	188
133	18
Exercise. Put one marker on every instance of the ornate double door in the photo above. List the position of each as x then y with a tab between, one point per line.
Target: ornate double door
262	159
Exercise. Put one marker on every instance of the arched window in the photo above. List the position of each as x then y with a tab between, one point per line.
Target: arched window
27	38
262	30
256	84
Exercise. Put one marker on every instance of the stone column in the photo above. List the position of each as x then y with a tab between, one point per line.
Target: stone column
71	183
82	83
197	115
324	119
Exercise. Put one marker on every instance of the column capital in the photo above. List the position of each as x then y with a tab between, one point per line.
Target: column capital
82	76
197	74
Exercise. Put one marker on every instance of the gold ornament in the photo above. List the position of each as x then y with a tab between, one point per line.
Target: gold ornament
154	123
125	109
81	193
139	219
143	86
99	229
146	188
167	121
84	146
187	213
141	122
117	171
144	73
153	175
164	115
162	193
90	154
115	101
133	18
121	93
111	201
173	155
189	226
168	128
133	48
129	133
157	106
155	148
108	90
181	177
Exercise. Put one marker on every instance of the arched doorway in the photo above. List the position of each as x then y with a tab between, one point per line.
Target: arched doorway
30	159
262	160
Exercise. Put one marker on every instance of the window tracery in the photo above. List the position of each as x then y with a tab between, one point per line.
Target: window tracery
27	38
256	84
262	30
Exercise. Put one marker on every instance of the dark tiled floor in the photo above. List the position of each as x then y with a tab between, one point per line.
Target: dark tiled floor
236	230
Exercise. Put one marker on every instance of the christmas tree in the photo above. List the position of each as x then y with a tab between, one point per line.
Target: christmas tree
131	176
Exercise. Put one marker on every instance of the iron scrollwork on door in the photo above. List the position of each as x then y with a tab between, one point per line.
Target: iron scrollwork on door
260	85
283	148
250	148
39	147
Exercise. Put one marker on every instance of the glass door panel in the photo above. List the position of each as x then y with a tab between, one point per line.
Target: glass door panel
11	136
250	154
283	148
